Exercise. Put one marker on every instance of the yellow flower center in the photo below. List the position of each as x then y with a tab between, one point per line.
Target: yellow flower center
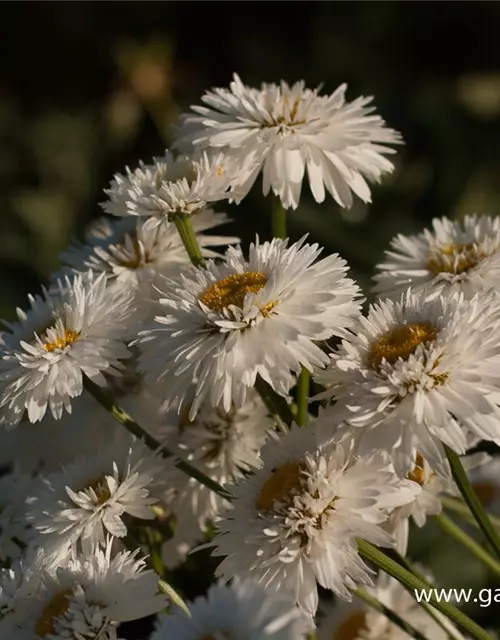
351	627
454	258
400	342
55	608
280	485
233	289
486	492
101	489
70	336
418	474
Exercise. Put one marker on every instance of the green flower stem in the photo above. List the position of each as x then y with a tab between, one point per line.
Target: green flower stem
278	220
412	582
184	226
473	502
389	613
276	405
462	510
469	543
132	544
108	402
302	397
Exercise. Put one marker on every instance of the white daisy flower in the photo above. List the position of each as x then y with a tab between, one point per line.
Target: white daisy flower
295	522
357	621
89	498
418	373
170	186
223	445
228	323
14	530
243	610
86	598
44	357
454	256
285	130
135	256
426	503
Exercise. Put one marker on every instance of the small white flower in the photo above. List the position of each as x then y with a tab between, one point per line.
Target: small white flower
44	357
357	621
285	130
295	522
14	530
221	444
418	373
426	503
228	323
87	499
170	186
137	257
454	256
86	598
243	610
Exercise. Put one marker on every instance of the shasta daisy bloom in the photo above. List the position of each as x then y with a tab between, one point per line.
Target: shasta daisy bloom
454	256
89	498
86	598
230	322
243	610
80	333
417	373
295	522
170	186
357	621
426	503
136	256
285	130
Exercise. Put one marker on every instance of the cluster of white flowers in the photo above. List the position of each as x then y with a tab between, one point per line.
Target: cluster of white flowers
203	350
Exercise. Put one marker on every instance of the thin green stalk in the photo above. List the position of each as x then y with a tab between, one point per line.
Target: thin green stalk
413	583
121	416
469	543
303	397
279	220
462	510
276	405
389	613
132	544
184	226
473	502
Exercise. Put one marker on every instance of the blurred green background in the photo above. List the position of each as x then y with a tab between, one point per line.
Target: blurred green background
89	87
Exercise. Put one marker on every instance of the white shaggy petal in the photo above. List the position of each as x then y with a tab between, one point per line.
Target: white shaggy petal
454	256
295	522
77	331
283	129
418	373
230	322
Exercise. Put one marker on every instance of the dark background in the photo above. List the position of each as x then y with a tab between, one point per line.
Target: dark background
88	87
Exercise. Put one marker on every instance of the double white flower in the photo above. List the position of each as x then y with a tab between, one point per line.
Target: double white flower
285	130
226	324
295	522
